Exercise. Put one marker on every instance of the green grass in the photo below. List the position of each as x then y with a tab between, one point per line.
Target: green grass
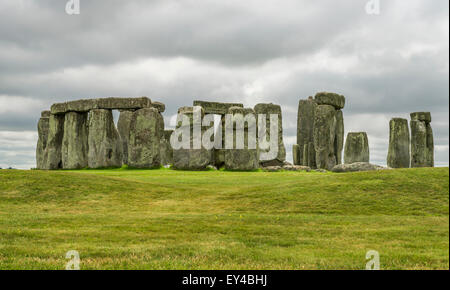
166	219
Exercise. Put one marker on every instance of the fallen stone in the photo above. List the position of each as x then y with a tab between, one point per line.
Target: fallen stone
296	168
272	168
399	142
357	148
324	136
332	99
421	116
358	166
146	132
105	145
52	153
268	110
75	146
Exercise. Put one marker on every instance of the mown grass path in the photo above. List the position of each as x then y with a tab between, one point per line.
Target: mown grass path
164	219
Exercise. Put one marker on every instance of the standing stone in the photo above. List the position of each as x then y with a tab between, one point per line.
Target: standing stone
296	154
305	155
43	128
75	146
268	110
123	126
339	141
193	158
356	148
430	146
166	148
422	144
247	158
105	147
305	128
54	143
324	136
399	153
146	132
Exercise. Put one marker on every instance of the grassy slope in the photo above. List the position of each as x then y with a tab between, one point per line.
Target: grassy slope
163	219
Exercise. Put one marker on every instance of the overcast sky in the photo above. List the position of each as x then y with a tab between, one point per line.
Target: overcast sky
250	51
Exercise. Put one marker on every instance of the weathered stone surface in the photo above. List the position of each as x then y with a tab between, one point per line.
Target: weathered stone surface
421	116
83	106
45	114
419	148
124	126
296	154
399	138
430	146
159	106
166	148
75	146
268	110
296	168
339	140
305	155
247	158
357	148
215	107
43	131
358	166
331	99
52	153
146	132
305	129
422	143
192	159
324	136
105	145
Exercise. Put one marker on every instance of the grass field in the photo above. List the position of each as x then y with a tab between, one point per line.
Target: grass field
164	219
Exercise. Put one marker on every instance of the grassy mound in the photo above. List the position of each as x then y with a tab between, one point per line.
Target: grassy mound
165	219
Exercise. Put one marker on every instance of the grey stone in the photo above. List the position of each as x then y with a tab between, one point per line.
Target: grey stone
430	146
45	114
339	140
332	99
52	153
43	131
324	136
358	166
192	159
305	155
419	148
146	132
105	145
399	141
296	154
159	106
84	106
215	107
357	148
421	116
273	168
305	129
268	110
422	143
247	158
166	148
75	145
296	168
124	126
